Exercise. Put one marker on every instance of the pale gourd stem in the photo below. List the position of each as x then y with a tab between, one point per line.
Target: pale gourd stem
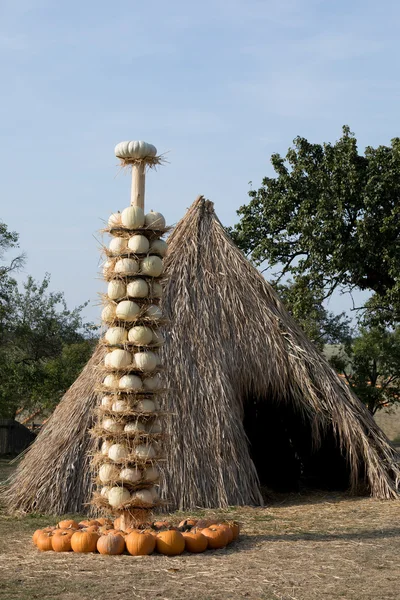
138	184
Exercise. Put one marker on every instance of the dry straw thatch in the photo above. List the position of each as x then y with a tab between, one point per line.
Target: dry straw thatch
231	346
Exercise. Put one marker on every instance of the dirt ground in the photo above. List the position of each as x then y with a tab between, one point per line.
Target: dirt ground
324	546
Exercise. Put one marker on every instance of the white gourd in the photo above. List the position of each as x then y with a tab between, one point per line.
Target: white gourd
144	452
156	289
114	220
126	266
104	491
132	475
159	247
139	244
140	335
111	381
120	359
116	289
120	406
153	312
132	217
106	445
112	426
137	288
154	220
108	472
145	406
152	383
152	266
142	496
145	361
108	312
127	310
135	149
118	245
135	427
116	335
108	268
107	401
151	474
107	360
118	452
118	496
157	338
155	426
130	382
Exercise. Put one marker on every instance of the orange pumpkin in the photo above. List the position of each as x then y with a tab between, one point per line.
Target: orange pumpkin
140	543
151	532
88	523
84	541
217	537
170	542
114	532
61	542
44	540
160	524
117	523
203	523
195	541
68	524
187	523
227	529
112	543
36	535
104	522
91	528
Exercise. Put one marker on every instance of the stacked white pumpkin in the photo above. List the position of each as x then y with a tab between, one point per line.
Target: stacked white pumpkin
130	424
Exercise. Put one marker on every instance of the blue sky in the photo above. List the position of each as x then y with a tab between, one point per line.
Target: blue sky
220	85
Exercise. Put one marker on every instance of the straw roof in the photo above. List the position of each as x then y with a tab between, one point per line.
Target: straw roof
229	339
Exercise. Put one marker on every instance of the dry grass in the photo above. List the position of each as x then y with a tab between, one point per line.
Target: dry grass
329	547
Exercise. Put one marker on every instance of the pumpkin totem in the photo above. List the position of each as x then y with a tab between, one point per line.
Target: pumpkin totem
129	422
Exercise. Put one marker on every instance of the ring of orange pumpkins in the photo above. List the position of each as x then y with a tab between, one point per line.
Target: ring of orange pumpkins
106	537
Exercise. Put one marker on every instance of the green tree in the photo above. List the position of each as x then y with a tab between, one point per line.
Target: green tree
373	367
333	216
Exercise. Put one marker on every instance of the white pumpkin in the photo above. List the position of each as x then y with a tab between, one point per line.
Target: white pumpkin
120	359
153	312
144	496
118	245
145	406
107	401
157	405
138	288
107	360
156	290
152	383
108	473
152	266
151	474
104	491
155	426
135	149
116	335
118	452
108	268
157	338
135	427
159	247
139	244
154	494
106	445
144	451
132	217
116	289
114	220
154	220
118	496
108	313
120	406
132	475
145	361
130	382
112	426
111	381
127	310
140	335
126	266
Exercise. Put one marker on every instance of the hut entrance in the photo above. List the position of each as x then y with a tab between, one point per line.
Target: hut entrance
283	452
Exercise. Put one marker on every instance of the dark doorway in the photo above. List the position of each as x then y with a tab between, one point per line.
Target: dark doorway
282	449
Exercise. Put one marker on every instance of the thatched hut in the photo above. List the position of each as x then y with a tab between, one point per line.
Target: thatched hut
253	404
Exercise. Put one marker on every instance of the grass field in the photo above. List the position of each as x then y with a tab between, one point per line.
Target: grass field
320	547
